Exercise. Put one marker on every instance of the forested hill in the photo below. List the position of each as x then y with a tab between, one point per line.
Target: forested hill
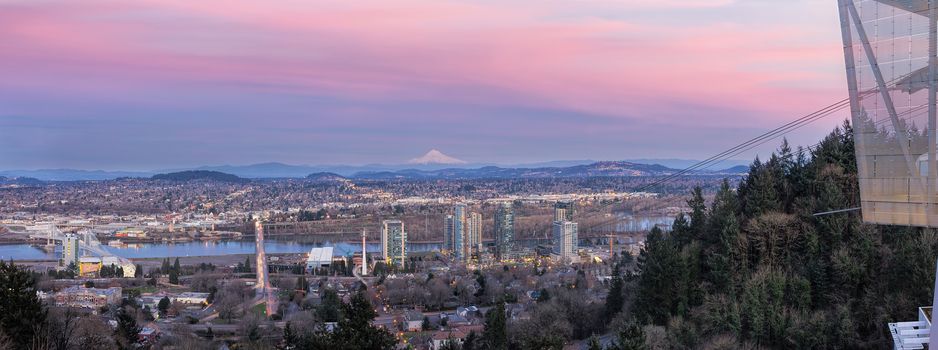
198	175
756	268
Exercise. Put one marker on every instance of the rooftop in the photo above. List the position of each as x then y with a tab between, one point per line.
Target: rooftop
321	255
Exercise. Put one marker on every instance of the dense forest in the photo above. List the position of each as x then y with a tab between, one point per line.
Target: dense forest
756	269
191	175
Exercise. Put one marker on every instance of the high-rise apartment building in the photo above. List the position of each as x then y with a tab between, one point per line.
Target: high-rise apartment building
459	231
393	242
565	240
504	229
448	232
70	251
473	234
563	211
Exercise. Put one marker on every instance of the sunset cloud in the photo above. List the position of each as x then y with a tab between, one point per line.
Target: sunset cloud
372	65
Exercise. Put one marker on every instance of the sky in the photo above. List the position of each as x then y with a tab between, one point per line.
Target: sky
142	85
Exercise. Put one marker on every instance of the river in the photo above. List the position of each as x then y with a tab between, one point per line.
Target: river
627	223
209	248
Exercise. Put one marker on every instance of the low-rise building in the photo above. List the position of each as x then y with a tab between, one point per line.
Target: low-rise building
413	320
319	257
148	335
92	298
131	233
89	265
442	338
912	334
191	298
127	266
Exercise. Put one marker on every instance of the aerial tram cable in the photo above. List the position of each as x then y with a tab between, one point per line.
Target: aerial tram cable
768	136
837	211
746	146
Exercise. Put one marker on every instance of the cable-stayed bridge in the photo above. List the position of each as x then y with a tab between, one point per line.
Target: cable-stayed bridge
88	243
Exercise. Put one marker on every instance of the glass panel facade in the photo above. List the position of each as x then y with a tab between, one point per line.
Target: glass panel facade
886	47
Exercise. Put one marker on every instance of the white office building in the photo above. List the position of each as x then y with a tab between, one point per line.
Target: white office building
565	240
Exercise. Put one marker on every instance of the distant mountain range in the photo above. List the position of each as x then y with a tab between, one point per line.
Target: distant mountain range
564	168
72	174
610	169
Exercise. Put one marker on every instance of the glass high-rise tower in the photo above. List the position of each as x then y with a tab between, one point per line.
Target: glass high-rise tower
563	211
565	239
448	233
473	233
393	242
459	232
504	229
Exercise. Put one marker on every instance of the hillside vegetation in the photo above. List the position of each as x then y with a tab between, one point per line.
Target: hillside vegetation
755	268
198	175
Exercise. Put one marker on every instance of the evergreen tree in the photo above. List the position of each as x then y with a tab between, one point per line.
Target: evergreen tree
681	230
594	344
355	330
630	337
471	342
165	267
21	311
290	339
301	283
662	273
759	270
127	331
330	307
720	250
495	334
163	306
698	214
614	299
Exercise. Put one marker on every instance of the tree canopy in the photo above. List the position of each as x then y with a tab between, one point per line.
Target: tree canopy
755	266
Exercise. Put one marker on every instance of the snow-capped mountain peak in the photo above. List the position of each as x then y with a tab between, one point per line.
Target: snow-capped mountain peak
436	157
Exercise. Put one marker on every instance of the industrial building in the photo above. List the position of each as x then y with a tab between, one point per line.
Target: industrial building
319	258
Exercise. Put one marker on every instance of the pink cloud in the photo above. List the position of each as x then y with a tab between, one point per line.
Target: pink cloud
490	53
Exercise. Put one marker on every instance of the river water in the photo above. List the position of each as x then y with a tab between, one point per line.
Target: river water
627	223
210	248
640	223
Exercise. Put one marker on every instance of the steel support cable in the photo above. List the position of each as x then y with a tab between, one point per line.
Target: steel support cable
763	138
736	150
755	142
770	135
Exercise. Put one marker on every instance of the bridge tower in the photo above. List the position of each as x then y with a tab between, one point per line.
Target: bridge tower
263	282
364	253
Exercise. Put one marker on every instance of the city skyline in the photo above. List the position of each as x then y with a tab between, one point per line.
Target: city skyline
177	84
